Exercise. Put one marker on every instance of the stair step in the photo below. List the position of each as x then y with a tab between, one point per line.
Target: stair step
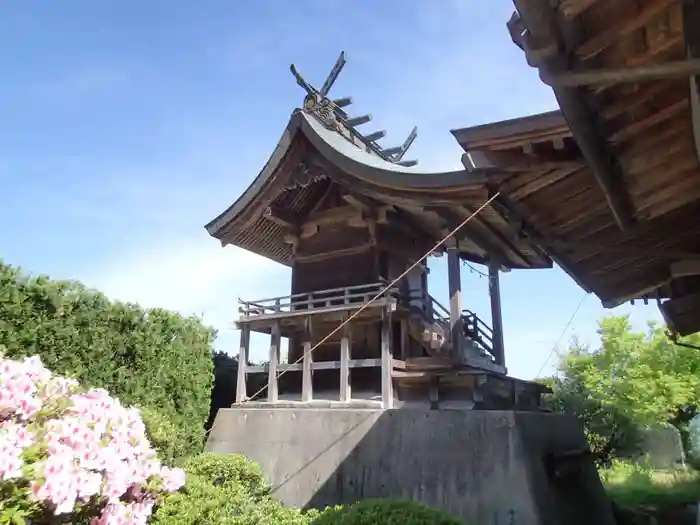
428	362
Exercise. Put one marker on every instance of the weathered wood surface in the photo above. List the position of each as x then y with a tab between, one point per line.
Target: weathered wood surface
622	72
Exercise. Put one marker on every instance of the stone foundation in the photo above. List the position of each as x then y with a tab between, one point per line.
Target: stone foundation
485	467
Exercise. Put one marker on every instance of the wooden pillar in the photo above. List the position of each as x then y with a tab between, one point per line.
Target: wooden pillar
387	357
307	387
455	287
496	314
274	359
345	352
241	390
405	339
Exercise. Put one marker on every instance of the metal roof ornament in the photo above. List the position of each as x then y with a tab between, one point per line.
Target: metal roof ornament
330	113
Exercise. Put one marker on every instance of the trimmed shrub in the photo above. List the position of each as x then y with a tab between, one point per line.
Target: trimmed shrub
384	512
146	357
225	489
229	470
169	440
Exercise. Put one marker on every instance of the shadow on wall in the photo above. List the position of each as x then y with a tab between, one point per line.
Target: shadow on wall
479	466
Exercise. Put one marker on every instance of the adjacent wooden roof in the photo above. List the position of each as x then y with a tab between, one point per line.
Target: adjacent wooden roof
311	160
610	185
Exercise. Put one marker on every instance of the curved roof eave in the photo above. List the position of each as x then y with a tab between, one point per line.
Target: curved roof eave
349	159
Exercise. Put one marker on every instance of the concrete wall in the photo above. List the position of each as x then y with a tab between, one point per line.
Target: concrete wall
485	467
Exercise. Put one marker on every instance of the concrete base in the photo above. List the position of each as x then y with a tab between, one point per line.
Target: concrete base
484	467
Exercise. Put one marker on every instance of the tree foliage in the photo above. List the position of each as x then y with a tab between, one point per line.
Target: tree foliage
633	380
147	357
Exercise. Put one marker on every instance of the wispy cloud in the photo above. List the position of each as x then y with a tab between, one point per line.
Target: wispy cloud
139	207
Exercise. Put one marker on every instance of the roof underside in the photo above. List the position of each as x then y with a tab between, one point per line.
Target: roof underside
611	183
311	162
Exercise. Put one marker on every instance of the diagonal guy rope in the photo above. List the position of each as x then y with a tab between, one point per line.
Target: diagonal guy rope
555	348
379	295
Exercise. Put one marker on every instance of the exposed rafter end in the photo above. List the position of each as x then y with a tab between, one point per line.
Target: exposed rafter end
358	121
343	102
397	153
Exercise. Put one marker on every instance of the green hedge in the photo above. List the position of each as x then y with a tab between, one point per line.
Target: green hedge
151	358
225	489
384	512
228	489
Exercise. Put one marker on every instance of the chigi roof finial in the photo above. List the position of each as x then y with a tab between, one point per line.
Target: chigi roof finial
332	115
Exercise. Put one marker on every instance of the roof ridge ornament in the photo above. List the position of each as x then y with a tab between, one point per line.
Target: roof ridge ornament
331	115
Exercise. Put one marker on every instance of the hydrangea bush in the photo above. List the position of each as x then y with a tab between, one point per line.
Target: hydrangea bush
67	451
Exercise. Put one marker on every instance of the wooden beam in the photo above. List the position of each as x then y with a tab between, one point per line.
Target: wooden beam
451	220
361	202
540	20
454	279
345	356
274	359
286	220
496	314
637	127
685	268
573	8
681	313
501	238
332	215
333	254
643	94
307	387
241	385
511	214
387	361
617	301
645	73
509	161
623	27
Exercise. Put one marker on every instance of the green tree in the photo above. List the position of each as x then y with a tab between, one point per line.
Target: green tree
146	357
633	380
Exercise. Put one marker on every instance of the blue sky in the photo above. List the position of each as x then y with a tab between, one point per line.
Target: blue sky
129	125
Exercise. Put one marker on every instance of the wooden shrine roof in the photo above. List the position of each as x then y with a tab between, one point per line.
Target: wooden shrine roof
311	162
610	185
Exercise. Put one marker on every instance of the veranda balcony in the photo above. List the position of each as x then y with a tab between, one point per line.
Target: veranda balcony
291	311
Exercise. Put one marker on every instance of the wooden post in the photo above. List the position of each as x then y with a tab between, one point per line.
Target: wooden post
345	351
455	287
405	339
387	357
241	390
496	314
274	358
307	387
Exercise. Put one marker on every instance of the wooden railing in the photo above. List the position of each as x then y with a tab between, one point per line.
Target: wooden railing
318	299
477	330
439	313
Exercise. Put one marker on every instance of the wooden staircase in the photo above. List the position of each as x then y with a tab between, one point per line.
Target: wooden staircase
430	326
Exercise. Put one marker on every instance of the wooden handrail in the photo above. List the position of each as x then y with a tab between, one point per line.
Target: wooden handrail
315	292
445	311
311	300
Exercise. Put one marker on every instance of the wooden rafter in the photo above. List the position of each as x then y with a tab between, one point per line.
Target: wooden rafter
641	73
540	20
616	32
